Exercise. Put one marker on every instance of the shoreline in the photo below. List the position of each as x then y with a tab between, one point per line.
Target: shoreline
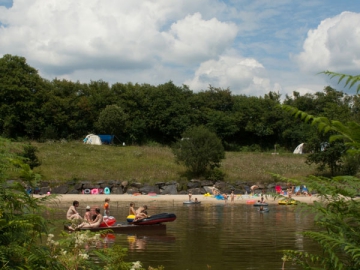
175	199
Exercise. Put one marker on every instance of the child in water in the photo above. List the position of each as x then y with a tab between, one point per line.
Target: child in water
107	207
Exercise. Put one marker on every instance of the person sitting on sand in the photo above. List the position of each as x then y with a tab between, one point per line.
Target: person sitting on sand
132	209
72	213
141	213
93	224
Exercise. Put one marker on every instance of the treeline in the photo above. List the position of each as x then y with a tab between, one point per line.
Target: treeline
32	107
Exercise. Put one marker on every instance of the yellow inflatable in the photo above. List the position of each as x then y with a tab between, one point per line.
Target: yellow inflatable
130	218
207	195
287	202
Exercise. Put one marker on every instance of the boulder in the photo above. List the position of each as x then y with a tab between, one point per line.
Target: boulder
132	190
208	189
124	184
62	189
148	189
193	184
78	186
117	190
135	184
207	183
169	189
197	191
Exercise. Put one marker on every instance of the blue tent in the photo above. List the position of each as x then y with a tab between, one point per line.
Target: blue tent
106	139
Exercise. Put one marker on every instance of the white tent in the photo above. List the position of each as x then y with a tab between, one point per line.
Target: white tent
299	149
92	139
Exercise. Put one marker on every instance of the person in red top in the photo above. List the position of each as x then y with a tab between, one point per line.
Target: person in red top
107	207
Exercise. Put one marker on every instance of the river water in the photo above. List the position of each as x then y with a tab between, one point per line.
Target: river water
217	236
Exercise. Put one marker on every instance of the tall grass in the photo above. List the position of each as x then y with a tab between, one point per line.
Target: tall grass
77	161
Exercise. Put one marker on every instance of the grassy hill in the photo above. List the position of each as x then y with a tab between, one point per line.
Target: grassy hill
63	161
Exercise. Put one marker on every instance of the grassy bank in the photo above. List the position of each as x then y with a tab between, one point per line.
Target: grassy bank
75	160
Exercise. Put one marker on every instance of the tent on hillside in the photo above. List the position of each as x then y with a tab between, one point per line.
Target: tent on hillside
299	149
92	139
107	139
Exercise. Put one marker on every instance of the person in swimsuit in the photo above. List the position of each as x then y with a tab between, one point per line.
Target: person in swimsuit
72	213
141	213
232	197
93	224
87	216
132	209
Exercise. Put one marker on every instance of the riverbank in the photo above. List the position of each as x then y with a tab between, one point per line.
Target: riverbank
175	199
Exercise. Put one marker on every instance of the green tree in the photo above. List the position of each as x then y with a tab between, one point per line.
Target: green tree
29	153
22	92
112	120
200	150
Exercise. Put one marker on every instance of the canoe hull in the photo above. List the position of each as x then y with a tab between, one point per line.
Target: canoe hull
124	228
156	219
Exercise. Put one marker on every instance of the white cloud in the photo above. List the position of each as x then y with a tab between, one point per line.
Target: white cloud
333	45
244	75
193	39
63	37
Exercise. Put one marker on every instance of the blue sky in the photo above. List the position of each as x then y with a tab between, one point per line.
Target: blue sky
249	46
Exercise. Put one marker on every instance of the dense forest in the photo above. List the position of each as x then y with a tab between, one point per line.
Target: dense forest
34	108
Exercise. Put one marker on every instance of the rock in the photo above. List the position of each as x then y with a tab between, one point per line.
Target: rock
197	191
136	185
208	189
207	183
160	184
117	190
124	184
148	189
221	185
132	190
62	189
169	189
194	184
78	186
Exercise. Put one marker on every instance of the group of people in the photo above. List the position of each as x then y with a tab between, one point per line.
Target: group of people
89	220
139	213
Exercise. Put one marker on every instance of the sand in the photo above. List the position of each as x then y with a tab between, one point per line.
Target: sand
175	199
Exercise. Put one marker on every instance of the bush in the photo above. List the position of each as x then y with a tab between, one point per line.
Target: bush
200	150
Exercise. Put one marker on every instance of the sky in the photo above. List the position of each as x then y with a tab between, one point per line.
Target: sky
250	47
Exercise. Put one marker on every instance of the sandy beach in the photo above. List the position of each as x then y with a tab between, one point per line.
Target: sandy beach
174	199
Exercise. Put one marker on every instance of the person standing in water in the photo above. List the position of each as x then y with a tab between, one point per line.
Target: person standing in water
232	197
107	207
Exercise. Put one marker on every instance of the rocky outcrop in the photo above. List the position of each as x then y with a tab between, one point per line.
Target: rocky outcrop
195	186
